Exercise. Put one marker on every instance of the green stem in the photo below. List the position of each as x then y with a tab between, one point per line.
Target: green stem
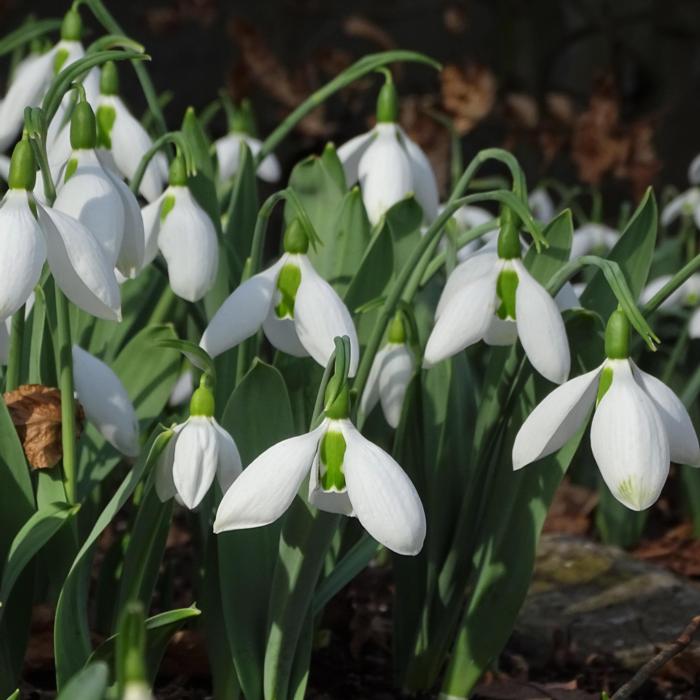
14	365
676	281
27	32
174	137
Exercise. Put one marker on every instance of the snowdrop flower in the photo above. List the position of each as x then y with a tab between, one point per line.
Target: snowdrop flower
638	428
347	474
687	294
182	390
686	204
228	148
122	138
593	238
390	374
467	218
106	402
198	451
100	200
32	234
185	235
388	165
299	312
541	205
492	297
694	171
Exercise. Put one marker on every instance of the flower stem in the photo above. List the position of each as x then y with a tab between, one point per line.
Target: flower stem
14	364
676	281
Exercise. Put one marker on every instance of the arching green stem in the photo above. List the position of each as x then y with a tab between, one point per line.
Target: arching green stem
180	142
676	281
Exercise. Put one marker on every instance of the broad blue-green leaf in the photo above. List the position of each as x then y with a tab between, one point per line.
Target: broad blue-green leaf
88	684
559	234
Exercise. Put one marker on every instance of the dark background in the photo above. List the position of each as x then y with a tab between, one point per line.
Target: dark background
592	91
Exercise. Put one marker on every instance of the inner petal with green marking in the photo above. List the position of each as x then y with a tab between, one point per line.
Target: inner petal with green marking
506	285
59	59
331	456
287	284
106	116
604	383
167	206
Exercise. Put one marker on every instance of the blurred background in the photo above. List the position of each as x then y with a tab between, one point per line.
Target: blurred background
601	92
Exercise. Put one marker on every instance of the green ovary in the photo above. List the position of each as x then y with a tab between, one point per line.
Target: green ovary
332	454
505	290
287	283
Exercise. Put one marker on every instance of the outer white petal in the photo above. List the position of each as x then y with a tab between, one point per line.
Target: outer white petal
320	315
4	167
79	265
22	252
682	439
106	402
228	153
541	204
230	465
556	419
282	333
269	169
195	460
464	320
350	154
266	488
91	197
655	286
629	441
694	324
582	242
243	312
694	171
383	497
684	203
469	217
150	215
385	173
501	331
190	247
370	395
164	483
397	370
477	264
424	182
541	328
183	389
566	297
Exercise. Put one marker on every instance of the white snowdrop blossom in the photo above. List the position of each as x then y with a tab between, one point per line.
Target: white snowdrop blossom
541	205
177	225
199	451
347	474
32	234
495	299
467	218
299	312
593	238
685	204
638	428
688	294
106	402
228	155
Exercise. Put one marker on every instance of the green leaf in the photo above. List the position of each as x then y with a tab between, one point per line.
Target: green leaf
559	234
198	143
31	29
88	684
196	355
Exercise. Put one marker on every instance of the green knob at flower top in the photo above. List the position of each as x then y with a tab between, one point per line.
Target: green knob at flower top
83	127
72	26
109	79
295	239
22	167
509	236
202	402
387	101
177	176
617	336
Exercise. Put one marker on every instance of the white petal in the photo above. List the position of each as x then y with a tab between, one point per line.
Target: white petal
267	487
383	497
469	217
350	154
424	182
541	204
464	319
556	419
79	265
190	247
567	298
229	459
384	172
282	333
629	441
694	171
4	167
501	331
370	395
683	441
694	324
541	328
164	483
397	370
655	286
685	203
195	460
243	312
228	153
91	197
106	402
320	316
150	215
22	253
183	389
269	169
582	242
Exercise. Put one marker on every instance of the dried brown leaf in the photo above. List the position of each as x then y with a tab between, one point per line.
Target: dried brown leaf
468	94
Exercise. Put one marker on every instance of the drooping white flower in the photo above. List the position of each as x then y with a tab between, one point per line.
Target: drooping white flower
497	300
688	294
593	238
122	139
183	389
33	234
467	218
106	402
694	171
541	205
198	451
686	203
299	312
228	154
639	427
348	474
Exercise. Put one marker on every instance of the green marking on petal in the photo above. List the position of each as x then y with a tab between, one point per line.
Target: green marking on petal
71	167
59	59
604	383
506	285
332	454
106	116
167	206
287	283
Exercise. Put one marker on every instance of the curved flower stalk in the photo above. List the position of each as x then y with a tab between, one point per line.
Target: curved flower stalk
185	235
33	234
347	474
541	205
686	204
106	402
199	451
688	294
467	218
492	297
299	312
123	141
100	200
391	372
388	164
638	428
593	238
